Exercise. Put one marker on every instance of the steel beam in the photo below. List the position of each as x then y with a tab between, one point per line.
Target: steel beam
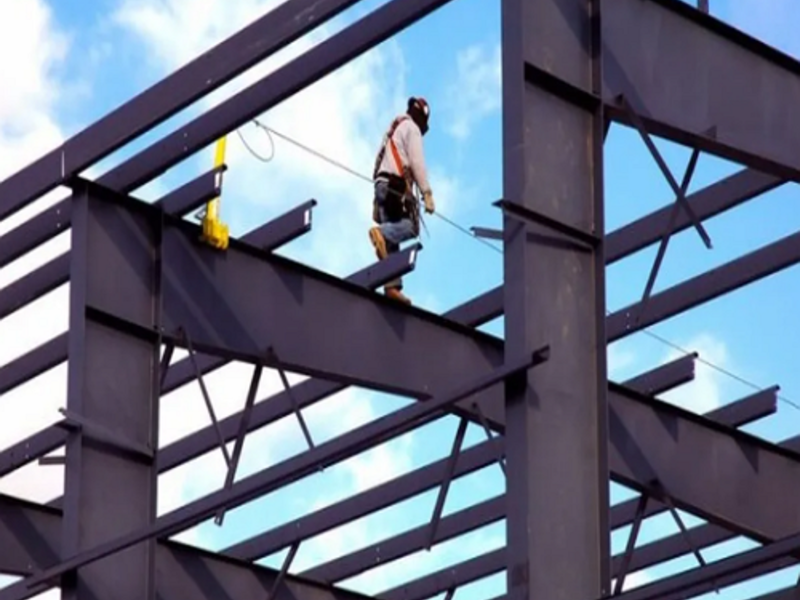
406	486
33	363
262	38
408	542
652	441
708	202
34	285
324	58
184	573
721	573
665	377
448	578
204	440
391	492
55	273
707	286
751	114
355	507
555	436
249	303
112	398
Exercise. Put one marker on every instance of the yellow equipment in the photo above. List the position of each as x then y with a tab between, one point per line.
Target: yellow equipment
215	232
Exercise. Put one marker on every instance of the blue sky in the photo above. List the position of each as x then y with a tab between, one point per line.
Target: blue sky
88	56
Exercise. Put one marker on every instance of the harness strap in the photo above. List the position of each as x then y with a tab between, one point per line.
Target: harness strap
395	154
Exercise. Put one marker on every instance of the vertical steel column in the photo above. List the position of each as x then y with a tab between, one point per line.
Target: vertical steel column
556	440
112	401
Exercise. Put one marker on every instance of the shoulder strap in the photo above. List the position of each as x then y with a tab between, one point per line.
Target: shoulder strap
395	154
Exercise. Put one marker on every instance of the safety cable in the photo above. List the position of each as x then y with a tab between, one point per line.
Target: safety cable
269	131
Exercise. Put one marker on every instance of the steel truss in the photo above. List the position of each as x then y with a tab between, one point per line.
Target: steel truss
556	427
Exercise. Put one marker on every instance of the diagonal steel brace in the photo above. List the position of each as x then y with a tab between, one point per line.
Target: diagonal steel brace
448	477
662	248
240	436
184	335
276	363
658	486
495	440
631	545
637	122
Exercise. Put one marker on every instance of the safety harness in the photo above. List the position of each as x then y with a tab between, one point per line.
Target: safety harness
400	202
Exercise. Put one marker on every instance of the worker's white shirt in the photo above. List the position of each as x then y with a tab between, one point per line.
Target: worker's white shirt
408	139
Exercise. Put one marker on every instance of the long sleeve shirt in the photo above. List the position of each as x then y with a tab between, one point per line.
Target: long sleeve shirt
408	140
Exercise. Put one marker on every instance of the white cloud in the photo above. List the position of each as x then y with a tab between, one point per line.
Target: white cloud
703	394
476	91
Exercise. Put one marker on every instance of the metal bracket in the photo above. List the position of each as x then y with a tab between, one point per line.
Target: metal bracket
105	435
526	214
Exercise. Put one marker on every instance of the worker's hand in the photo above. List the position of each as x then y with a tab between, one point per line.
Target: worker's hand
430	206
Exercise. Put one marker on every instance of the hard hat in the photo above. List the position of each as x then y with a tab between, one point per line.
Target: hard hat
419	110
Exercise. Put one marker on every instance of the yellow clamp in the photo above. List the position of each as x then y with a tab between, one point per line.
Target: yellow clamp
215	232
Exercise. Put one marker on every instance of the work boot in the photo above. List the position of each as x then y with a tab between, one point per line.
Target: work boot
395	294
378	242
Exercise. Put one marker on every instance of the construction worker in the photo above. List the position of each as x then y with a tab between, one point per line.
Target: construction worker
395	207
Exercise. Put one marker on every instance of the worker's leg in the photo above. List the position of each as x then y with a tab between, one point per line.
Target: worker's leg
388	235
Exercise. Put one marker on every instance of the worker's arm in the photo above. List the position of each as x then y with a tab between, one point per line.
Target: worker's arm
416	158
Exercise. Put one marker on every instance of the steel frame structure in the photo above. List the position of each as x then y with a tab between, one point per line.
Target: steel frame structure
558	428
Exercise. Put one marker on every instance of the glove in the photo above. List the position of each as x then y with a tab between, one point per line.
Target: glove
430	206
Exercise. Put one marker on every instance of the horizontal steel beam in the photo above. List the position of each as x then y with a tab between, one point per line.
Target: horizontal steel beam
33	363
706	203
654	442
324	58
262	38
355	507
705	287
408	542
411	484
664	378
693	51
51	275
185	573
254	304
264	412
702	288
721	573
34	285
466	520
448	578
